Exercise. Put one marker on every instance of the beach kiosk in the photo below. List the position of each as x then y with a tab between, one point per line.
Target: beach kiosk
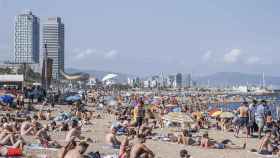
11	81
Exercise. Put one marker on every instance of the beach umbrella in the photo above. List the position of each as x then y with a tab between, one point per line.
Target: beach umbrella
10	94
112	103
155	102
7	99
217	113
226	115
212	111
170	105
73	98
178	117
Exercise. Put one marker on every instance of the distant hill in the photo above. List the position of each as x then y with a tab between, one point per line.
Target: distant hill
100	74
236	78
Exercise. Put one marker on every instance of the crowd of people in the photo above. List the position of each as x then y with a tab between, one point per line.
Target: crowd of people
137	119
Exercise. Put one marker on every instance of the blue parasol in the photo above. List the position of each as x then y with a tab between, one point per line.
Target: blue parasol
73	98
7	99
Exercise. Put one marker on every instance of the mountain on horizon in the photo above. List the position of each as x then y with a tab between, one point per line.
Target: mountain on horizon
236	78
219	79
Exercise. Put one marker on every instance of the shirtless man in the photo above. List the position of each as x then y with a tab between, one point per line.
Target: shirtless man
112	140
72	150
78	151
140	150
265	146
75	131
243	111
27	128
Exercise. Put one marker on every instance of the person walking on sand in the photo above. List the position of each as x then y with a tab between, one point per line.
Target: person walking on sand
252	118
243	111
260	116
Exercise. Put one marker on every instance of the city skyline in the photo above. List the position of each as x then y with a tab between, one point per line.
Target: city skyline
145	38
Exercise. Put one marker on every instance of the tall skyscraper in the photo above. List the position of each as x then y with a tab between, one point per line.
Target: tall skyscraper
189	81
27	38
178	80
53	37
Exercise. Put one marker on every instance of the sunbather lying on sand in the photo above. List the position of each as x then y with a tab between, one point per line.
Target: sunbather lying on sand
206	142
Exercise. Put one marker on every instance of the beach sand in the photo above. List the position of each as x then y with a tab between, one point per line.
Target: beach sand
100	127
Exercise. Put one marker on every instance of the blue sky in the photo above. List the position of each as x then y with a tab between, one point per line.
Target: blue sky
150	36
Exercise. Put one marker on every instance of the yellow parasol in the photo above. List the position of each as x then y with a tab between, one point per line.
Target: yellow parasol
217	113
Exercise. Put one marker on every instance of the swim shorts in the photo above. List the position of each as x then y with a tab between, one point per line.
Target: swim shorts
244	121
219	146
260	123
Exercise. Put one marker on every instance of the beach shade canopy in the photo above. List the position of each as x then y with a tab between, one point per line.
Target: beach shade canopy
73	98
217	113
7	99
226	115
178	117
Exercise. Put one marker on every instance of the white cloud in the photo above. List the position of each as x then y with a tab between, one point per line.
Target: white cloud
232	56
207	56
253	60
82	54
111	54
87	53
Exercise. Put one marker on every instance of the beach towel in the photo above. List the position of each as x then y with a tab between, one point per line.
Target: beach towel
93	155
111	156
39	147
263	155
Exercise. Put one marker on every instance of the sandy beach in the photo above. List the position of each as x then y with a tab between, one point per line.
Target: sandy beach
100	127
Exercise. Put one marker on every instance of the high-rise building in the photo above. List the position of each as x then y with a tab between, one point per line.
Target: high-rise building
178	80
189	81
53	38
27	38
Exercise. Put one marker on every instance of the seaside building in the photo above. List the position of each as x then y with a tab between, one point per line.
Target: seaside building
178	80
27	39
189	81
170	81
53	38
